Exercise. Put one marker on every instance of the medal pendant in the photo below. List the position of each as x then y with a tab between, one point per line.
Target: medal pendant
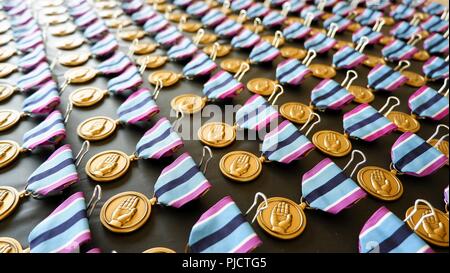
143	48
6	53
261	86
361	94
208	38
9	151
191	27
87	96
70	43
188	103
4	39
167	77
290	52
117	22
80	74
433	229
217	134
442	147
373	61
74	59
353	27
96	128
9	200
151	62
176	16
231	65
421	56
240	166
8	118
388	21
380	183
108	165
256	28
414	79
222	50
332	143
10	245
316	30
386	40
293	19
270	38
6	91
64	30
404	122
322	71
130	35
296	112
7	69
340	44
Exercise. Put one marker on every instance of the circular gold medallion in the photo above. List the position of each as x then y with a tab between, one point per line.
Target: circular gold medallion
151	62
270	38
316	30
6	91
57	19
217	134
231	65
105	5
10	245
6	69
63	30
96	128
80	74
361	94
6	53
9	199
240	166
208	38
414	79
421	56
162	7
332	143
8	118
433	229
191	26
49	11
388	21
107	166
296	112
117	22
74	59
50	3
290	52
188	103
167	77
442	147
70	43
425	34
86	96
322	71
143	48
4	39
222	50
261	86
340	44
254	28
373	61
380	183
293	19
159	250
108	14
125	212
326	15
353	27
130	35
386	40
283	218
176	16
9	151
404	122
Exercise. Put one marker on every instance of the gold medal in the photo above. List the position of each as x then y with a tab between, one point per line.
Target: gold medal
293	19
10	245
332	143
6	91
270	38
283	218
8	118
442	147
188	103
261	86
4	27
9	199
231	65
240	166
386	40
118	22
96	128
6	53
256	28
132	34
404	122
74	59
191	26
167	77
63	30
159	250
51	3
80	74
143	48
108	14
108	166
380	183
217	134
176	16
361	94
4	39
340	44
316	30
57	19
49	11
222	50
87	96
70	43
290	52
326	15
434	229
424	34
106	5
421	56
151	62
322	71
162	7
373	61
388	21
353	27
126	212
296	112
9	151
208	38
414	79
7	69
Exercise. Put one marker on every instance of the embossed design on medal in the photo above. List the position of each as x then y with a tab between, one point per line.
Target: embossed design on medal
87	96
188	103
232	65
141	48
292	52
6	53
129	34
108	165
10	245
7	69
167	77
74	59
9	151
191	26
421	55
404	122
261	86
296	112
241	166
97	128
151	61
9	200
380	183
414	79
6	91
217	134
9	118
441	145
70	43
373	61
332	143
361	94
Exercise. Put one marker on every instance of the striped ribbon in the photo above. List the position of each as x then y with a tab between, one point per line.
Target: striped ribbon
21	19
213	17
257	10
125	82
414	156
436	44
386	233
245	39
404	30
114	65
197	9
320	43
238	5
182	3
402	12
223	229
26	30
285	144
159	141
35	78
342	8
296	5
291	71
19	9
340	21
428	103
105	46
434	24
138	107
329	94
55	174
436	68
348	58
368	17
80	10
328	188
155	24
277	3
49	132
413	3
33	59
228	28
263	52
384	78
96	31
27	43
181	182
256	113
184	49
64	230
296	31
373	36
86	19
200	65
14	7
328	3
168	36
144	14
316	13
43	101
273	19
130	7
74	3
398	50
366	123
434	8
222	85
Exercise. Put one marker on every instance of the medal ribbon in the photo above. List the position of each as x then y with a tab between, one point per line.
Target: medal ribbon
180	183
159	141
263	52
200	65
222	85
49	132
26	30
256	113
183	3
391	234
197	9
285	144
184	49
132	6
127	81
434	8
114	65
368	17
435	24
144	14
168	36
348	58
22	19
320	43
328	188
96	31
373	36
436	44
223	229
316	13
384	78
64	230
366	123
138	107
291	71
398	50
86	19
43	101
80	10
342	8
403	30
428	103
245	39
55	174
34	58
27	43
341	22
402	12
273	18
35	78
436	68
213	18
257	10
296	31
105	46
19	9
328	3
329	94
155	24
228	28
238	5
413	3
